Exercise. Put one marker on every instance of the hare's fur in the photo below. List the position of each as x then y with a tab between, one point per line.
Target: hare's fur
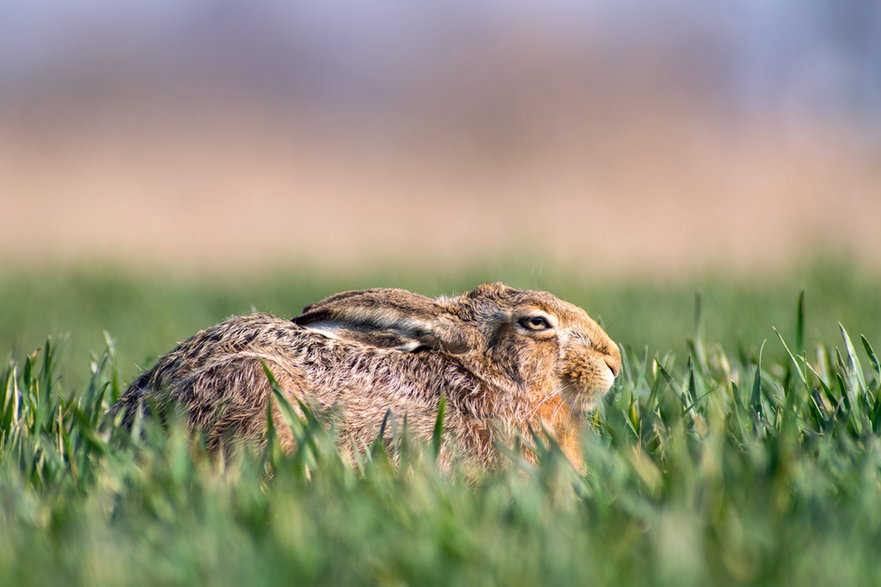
506	361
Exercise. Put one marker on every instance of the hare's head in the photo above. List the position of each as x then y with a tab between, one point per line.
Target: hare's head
529	342
544	344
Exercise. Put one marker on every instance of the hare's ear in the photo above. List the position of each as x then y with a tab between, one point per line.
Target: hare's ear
387	318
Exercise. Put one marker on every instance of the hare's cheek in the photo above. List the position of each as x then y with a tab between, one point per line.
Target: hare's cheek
606	380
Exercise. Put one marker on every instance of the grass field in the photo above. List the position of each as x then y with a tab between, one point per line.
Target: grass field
726	453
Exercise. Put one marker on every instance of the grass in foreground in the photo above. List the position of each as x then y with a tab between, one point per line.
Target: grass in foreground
723	466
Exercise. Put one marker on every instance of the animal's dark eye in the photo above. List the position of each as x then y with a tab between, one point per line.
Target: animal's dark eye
535	323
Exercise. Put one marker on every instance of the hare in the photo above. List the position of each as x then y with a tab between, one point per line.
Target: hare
505	360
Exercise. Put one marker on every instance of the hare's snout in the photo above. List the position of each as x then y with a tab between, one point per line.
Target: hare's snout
613	359
607	367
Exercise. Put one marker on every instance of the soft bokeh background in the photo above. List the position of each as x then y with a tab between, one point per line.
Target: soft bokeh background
165	164
616	136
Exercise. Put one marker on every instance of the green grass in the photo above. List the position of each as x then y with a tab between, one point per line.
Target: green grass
148	312
724	455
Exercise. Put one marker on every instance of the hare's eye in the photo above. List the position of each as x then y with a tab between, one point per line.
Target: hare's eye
535	323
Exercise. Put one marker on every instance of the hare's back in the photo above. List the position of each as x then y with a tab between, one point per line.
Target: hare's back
221	344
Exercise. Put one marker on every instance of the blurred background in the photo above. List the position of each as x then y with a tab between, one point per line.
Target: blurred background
613	136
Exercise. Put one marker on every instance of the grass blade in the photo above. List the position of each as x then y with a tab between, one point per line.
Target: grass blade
853	361
800	326
796	361
438	432
755	400
876	365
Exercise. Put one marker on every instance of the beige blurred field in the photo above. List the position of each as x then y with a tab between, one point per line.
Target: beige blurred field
223	192
627	166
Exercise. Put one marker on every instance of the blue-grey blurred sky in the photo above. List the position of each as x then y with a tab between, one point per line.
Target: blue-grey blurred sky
815	58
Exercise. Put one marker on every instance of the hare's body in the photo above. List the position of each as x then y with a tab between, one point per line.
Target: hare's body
360	354
225	391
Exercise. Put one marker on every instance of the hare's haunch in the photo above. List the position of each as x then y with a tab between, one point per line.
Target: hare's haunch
506	360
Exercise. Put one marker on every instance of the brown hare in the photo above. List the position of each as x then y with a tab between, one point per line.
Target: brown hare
505	360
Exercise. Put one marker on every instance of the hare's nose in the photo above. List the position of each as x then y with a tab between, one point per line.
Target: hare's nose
613	359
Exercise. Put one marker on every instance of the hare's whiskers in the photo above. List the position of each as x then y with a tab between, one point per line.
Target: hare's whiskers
554	393
557	410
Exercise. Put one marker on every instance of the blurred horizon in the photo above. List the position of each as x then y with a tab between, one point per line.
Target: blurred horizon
618	135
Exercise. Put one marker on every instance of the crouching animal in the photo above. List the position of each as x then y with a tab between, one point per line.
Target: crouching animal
507	361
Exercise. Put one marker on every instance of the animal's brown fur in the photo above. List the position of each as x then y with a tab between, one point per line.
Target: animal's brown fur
360	354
